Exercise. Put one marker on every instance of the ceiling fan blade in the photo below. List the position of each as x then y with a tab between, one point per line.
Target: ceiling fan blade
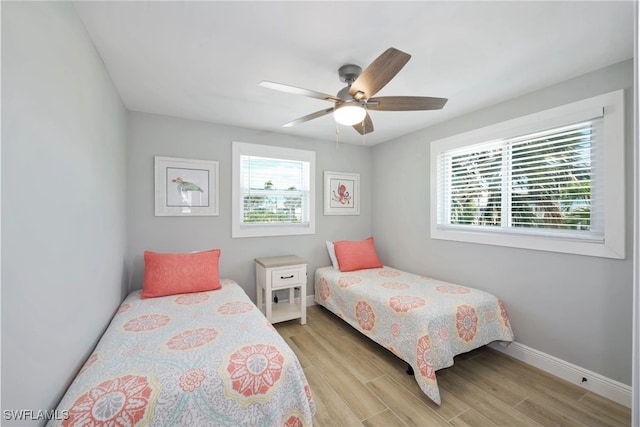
299	91
308	117
405	103
365	126
379	73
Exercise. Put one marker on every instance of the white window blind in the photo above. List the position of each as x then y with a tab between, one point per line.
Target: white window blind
541	182
274	191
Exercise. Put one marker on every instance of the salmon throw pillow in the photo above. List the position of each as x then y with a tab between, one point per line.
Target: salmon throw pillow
356	255
170	274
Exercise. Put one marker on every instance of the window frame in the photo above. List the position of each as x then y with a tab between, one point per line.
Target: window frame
611	107
239	230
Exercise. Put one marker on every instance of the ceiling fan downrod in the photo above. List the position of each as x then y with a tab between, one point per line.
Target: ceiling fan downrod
348	74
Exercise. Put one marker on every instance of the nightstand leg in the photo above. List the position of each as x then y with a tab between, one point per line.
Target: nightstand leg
303	307
259	297
267	306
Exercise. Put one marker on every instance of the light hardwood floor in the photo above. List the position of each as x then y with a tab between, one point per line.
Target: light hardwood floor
356	382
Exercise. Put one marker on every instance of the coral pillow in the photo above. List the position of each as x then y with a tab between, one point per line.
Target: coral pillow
356	255
170	274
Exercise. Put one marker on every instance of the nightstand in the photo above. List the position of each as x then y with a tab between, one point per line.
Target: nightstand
278	273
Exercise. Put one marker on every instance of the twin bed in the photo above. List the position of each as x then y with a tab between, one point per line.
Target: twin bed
195	359
425	322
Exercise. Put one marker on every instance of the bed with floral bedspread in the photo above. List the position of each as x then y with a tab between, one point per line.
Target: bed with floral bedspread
425	322
199	359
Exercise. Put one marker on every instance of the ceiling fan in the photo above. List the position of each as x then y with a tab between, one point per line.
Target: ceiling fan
352	102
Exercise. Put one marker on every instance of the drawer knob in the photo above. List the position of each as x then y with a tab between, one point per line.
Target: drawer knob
286	277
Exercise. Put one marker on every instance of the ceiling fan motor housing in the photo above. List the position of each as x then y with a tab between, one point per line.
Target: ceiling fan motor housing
344	95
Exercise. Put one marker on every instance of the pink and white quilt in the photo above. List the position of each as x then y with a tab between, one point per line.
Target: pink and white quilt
425	322
200	359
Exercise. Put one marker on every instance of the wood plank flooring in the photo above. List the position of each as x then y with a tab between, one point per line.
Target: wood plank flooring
356	382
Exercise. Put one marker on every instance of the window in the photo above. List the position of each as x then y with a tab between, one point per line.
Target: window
550	181
273	191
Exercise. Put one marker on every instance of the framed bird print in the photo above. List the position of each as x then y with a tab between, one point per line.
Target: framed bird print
186	187
341	193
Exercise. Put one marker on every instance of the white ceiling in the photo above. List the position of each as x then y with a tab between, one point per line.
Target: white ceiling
204	60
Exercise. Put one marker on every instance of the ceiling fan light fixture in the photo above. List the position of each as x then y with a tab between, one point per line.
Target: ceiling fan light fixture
349	113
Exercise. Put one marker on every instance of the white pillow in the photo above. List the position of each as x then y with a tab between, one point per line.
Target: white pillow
332	255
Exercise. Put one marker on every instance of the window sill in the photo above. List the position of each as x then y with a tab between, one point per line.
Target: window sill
607	248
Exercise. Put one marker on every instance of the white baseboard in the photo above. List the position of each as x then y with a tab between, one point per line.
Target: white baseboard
596	383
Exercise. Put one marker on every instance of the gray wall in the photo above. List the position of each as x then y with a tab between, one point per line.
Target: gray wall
63	212
573	307
153	135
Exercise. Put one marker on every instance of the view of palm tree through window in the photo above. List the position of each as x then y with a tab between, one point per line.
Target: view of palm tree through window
541	180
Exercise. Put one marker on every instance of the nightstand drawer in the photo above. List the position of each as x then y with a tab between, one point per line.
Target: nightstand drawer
283	278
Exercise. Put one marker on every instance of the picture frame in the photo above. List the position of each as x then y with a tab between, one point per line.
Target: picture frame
341	193
186	187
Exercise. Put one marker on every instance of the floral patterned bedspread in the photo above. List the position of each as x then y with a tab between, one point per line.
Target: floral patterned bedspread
425	322
200	359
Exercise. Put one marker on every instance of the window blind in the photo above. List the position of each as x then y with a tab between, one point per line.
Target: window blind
539	183
274	191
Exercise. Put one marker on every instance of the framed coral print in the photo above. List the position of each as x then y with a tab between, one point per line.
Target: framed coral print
186	187
341	193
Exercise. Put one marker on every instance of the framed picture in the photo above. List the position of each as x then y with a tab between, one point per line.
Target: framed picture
186	187
341	193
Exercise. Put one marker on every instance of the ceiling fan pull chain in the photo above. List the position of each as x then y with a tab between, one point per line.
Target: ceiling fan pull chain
337	134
